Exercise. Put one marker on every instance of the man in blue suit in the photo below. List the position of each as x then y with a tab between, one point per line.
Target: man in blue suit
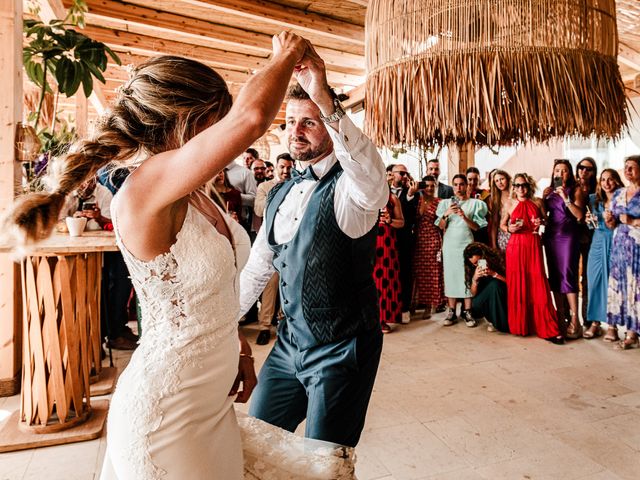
319	234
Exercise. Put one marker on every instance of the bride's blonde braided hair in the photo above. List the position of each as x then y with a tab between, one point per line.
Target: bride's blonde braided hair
166	102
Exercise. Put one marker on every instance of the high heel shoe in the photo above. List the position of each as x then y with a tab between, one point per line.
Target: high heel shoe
629	342
612	335
592	332
574	331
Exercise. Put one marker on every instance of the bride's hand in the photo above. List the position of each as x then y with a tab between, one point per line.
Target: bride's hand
287	42
246	373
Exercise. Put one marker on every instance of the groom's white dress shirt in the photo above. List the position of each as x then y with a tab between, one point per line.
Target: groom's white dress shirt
360	193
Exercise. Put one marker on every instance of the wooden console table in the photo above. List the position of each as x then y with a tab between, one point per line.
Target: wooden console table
61	282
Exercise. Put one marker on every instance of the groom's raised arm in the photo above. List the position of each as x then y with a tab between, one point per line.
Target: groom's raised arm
256	273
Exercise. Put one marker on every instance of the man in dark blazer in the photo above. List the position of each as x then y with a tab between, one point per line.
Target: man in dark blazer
442	189
404	235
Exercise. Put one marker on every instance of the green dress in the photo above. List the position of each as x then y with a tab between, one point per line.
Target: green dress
456	238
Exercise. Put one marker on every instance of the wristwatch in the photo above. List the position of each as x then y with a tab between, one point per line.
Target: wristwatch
335	116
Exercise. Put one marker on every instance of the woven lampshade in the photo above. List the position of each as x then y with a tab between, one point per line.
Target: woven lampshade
491	71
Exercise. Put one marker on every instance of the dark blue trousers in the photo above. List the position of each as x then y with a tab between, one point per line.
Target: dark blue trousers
329	385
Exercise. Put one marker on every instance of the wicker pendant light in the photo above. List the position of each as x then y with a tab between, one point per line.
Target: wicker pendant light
492	71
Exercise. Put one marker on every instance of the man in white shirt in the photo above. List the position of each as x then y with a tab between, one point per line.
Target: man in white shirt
241	179
319	234
269	298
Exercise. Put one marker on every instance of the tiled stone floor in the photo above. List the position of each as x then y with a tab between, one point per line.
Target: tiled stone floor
461	404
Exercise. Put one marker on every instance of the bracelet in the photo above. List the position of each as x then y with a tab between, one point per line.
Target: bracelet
567	202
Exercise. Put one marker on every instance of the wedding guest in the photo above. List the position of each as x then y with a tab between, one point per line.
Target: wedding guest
259	170
623	296
442	189
564	203
598	265
428	276
270	172
386	271
269	297
389	171
243	180
500	195
249	156
405	240
220	190
485	277
474	191
458	217
586	181
531	310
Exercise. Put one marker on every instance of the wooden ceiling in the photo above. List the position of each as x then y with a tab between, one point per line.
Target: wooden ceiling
234	36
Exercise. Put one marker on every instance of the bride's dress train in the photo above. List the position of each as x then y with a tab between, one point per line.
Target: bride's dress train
171	416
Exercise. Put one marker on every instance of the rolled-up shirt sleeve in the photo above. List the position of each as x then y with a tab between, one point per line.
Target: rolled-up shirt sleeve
256	273
362	190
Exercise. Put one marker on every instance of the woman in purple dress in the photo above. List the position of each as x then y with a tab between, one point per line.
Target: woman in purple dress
564	204
623	296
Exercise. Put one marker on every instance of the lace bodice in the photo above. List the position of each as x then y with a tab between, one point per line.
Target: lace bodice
189	303
191	290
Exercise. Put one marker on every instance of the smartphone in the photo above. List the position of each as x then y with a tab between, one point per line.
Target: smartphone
519	222
88	206
482	263
557	182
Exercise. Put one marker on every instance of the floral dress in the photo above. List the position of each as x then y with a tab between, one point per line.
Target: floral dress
623	296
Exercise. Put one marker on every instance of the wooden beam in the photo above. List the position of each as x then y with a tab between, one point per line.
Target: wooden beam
52	9
356	96
116	14
147	45
10	175
460	158
362	3
287	18
629	57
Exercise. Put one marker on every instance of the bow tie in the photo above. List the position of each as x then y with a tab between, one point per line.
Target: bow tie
306	174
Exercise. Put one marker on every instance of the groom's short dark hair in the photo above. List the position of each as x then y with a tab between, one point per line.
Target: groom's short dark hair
296	92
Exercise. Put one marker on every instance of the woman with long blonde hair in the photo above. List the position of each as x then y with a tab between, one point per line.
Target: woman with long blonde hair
171	415
500	194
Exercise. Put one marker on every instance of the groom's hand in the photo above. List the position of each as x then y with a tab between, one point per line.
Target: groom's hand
246	376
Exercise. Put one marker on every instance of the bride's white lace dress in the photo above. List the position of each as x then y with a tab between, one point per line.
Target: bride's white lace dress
170	416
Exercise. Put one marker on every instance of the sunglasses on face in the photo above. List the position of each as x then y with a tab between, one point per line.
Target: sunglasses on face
520	185
402	174
584	167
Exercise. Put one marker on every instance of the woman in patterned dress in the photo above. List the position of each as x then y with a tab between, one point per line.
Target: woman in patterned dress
500	194
427	267
623	297
386	271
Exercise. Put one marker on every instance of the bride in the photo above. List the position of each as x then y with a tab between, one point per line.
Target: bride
172	414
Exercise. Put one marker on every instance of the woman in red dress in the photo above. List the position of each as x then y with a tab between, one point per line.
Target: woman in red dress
428	279
386	271
531	310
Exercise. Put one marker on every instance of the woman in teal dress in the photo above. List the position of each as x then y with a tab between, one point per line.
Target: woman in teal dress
459	217
599	253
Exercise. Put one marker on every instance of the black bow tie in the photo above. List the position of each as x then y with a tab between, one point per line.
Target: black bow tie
306	174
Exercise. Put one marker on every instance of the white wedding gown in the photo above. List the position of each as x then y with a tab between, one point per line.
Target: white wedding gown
170	416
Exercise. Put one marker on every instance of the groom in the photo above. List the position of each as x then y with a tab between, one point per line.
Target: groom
319	234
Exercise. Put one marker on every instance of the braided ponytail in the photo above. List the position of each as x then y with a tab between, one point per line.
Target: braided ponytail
33	216
166	102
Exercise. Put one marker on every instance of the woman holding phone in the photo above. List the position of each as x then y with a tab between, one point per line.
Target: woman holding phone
485	277
428	277
459	217
386	271
564	203
529	298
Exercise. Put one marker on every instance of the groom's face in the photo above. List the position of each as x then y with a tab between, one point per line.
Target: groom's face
307	137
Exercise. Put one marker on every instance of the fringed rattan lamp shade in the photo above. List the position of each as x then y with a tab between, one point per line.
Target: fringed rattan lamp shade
491	71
